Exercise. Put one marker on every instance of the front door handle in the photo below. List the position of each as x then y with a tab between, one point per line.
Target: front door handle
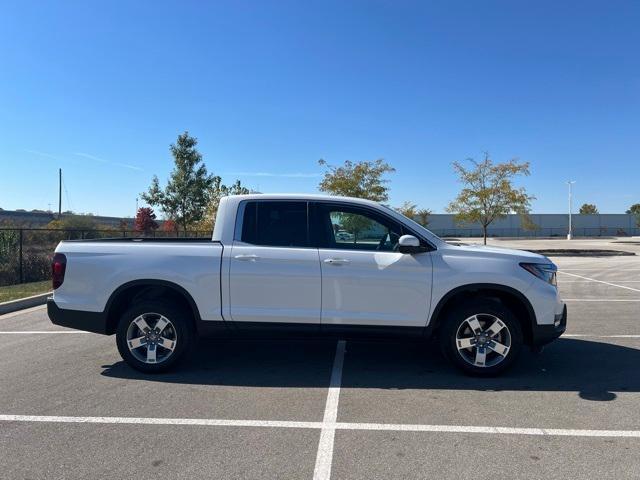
337	261
247	258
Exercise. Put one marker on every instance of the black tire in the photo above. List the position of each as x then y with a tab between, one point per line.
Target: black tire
180	331
456	325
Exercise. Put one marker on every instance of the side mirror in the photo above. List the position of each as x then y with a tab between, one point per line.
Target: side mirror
410	244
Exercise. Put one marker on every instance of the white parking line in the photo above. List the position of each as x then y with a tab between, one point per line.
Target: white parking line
205	422
564	282
601	281
598	336
40	332
324	457
599	270
601	299
395	427
491	430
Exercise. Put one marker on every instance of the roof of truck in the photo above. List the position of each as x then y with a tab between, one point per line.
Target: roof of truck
301	196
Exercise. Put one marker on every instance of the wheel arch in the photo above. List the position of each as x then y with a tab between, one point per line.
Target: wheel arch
512	298
146	289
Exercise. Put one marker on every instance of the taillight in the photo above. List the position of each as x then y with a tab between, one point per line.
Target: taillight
58	267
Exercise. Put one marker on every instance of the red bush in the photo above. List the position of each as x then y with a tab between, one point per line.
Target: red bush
145	220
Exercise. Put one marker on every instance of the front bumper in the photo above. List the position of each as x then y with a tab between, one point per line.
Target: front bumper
95	322
543	334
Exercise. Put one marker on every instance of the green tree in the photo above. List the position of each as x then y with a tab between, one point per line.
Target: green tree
353	223
217	191
423	215
588	209
8	245
634	209
357	179
488	192
528	224
411	210
408	209
187	193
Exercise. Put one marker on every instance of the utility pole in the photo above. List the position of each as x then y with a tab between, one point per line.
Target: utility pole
570	183
136	213
59	192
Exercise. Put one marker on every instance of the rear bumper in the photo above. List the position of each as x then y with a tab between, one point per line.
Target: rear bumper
95	322
543	334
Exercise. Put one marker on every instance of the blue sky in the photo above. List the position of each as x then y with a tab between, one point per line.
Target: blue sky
269	87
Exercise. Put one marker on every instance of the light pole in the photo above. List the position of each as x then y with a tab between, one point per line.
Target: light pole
570	183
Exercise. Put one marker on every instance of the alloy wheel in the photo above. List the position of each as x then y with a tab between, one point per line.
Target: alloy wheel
151	338
483	340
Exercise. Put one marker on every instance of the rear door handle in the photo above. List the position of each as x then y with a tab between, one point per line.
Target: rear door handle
337	261
247	258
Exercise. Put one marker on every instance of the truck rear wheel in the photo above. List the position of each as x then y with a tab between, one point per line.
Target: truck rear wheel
152	336
482	338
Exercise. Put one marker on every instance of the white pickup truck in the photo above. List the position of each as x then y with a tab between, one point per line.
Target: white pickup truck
307	265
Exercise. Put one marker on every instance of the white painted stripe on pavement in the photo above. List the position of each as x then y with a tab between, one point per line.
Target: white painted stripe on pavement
598	336
599	270
564	282
324	457
601	299
602	281
161	421
396	427
40	332
489	430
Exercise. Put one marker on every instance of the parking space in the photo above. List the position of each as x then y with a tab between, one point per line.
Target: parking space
53	450
575	383
82	374
70	408
402	455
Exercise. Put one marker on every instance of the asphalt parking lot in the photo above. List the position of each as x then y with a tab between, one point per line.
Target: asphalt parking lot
70	408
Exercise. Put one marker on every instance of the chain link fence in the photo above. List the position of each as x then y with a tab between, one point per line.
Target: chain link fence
25	253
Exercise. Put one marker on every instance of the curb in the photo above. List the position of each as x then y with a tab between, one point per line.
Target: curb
22	303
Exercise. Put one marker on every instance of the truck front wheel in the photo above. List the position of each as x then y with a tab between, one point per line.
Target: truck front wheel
481	338
152	336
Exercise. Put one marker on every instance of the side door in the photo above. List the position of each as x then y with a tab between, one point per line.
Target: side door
274	273
365	279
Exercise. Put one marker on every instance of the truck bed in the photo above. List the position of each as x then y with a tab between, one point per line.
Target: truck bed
146	240
96	268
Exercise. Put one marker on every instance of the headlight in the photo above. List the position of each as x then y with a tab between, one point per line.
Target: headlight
544	271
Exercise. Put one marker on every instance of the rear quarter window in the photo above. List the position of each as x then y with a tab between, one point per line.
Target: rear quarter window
276	224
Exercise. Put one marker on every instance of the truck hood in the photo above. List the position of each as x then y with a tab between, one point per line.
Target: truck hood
521	255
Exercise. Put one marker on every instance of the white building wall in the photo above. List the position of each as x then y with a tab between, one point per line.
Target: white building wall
549	224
